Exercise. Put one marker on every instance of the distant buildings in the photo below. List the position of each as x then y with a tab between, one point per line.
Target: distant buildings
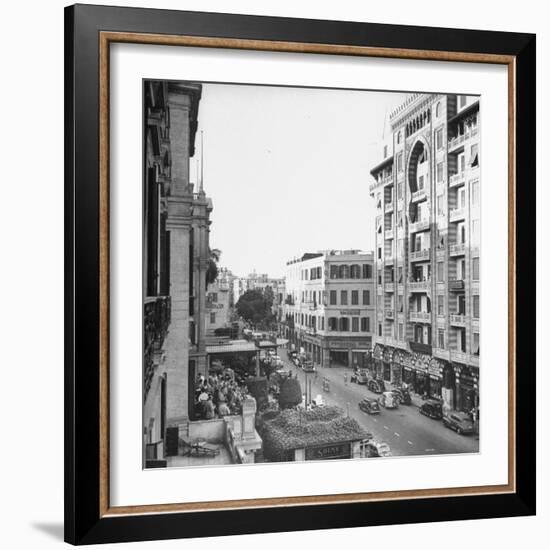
262	281
219	302
427	195
329	307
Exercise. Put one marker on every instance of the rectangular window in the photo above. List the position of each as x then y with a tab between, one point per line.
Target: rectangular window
212	318
440	205
461	163
379	278
379	253
214	297
333	297
379	329
367	271
474	155
355	324
439	138
366	297
440	305
400	303
441	338
439	172
475	346
421	182
399	190
344	297
462	100
475	192
475	269
354	297
440	272
400	162
400	331
475	232
385	151
365	324
476	306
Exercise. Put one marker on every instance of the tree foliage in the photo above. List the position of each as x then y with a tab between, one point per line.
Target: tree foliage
255	307
290	393
212	267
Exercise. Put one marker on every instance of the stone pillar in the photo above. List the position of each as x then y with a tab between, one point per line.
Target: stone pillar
179	225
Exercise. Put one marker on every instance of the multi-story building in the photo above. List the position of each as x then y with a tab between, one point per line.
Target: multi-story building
427	197
261	281
175	256
329	307
219	302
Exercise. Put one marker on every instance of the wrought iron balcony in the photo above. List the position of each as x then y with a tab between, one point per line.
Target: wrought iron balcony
457	214
419	255
458	319
422	225
419	195
419	286
456	179
156	317
420	316
456	285
457	249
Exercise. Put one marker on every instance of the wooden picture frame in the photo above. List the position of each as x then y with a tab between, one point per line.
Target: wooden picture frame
89	32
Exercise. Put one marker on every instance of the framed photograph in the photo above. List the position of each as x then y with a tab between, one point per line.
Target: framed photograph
284	240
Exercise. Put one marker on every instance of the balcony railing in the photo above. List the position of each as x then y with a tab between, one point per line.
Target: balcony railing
389	313
156	317
420	316
388	234
387	180
419	286
419	195
457	249
458	319
421	225
456	141
456	285
388	207
419	255
456	179
457	214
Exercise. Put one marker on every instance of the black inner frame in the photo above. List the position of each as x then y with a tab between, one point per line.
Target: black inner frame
82	522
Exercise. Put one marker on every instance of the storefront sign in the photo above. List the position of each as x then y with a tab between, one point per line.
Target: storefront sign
420	362
377	353
326	452
387	355
434	368
350	312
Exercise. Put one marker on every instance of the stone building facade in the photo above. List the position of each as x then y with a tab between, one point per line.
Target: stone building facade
176	221
329	307
427	195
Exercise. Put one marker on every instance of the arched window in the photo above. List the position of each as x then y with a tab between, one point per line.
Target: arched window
344	324
332	323
399	136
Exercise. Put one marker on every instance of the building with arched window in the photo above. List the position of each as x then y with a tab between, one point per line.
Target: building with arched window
329	307
427	229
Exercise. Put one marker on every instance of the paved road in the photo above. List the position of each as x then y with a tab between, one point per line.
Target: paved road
405	430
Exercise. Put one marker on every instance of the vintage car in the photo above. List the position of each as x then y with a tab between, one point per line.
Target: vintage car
460	422
388	400
369	406
375	449
432	408
403	396
375	386
308	366
359	376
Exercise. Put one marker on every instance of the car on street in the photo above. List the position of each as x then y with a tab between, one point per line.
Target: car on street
308	366
318	401
459	421
388	400
375	449
403	396
369	405
432	408
359	377
375	386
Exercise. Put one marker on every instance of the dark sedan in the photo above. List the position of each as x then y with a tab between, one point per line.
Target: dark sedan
432	409
460	422
369	406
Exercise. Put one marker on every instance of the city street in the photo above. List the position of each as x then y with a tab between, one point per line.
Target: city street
405	430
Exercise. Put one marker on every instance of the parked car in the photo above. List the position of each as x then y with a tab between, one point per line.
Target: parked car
375	386
432	408
318	401
377	448
359	376
308	366
403	396
388	400
369	405
460	422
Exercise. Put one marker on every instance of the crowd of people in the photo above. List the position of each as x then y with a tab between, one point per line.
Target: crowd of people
218	395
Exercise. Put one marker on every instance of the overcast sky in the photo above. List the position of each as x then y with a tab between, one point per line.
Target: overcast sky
288	170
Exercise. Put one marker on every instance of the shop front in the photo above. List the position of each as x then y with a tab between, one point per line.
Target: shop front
377	361
386	364
468	380
435	373
420	363
399	360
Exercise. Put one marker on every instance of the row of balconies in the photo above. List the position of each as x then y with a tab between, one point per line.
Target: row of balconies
455	319
461	139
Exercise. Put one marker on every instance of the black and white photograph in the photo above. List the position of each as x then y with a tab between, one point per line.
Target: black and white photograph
311	262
